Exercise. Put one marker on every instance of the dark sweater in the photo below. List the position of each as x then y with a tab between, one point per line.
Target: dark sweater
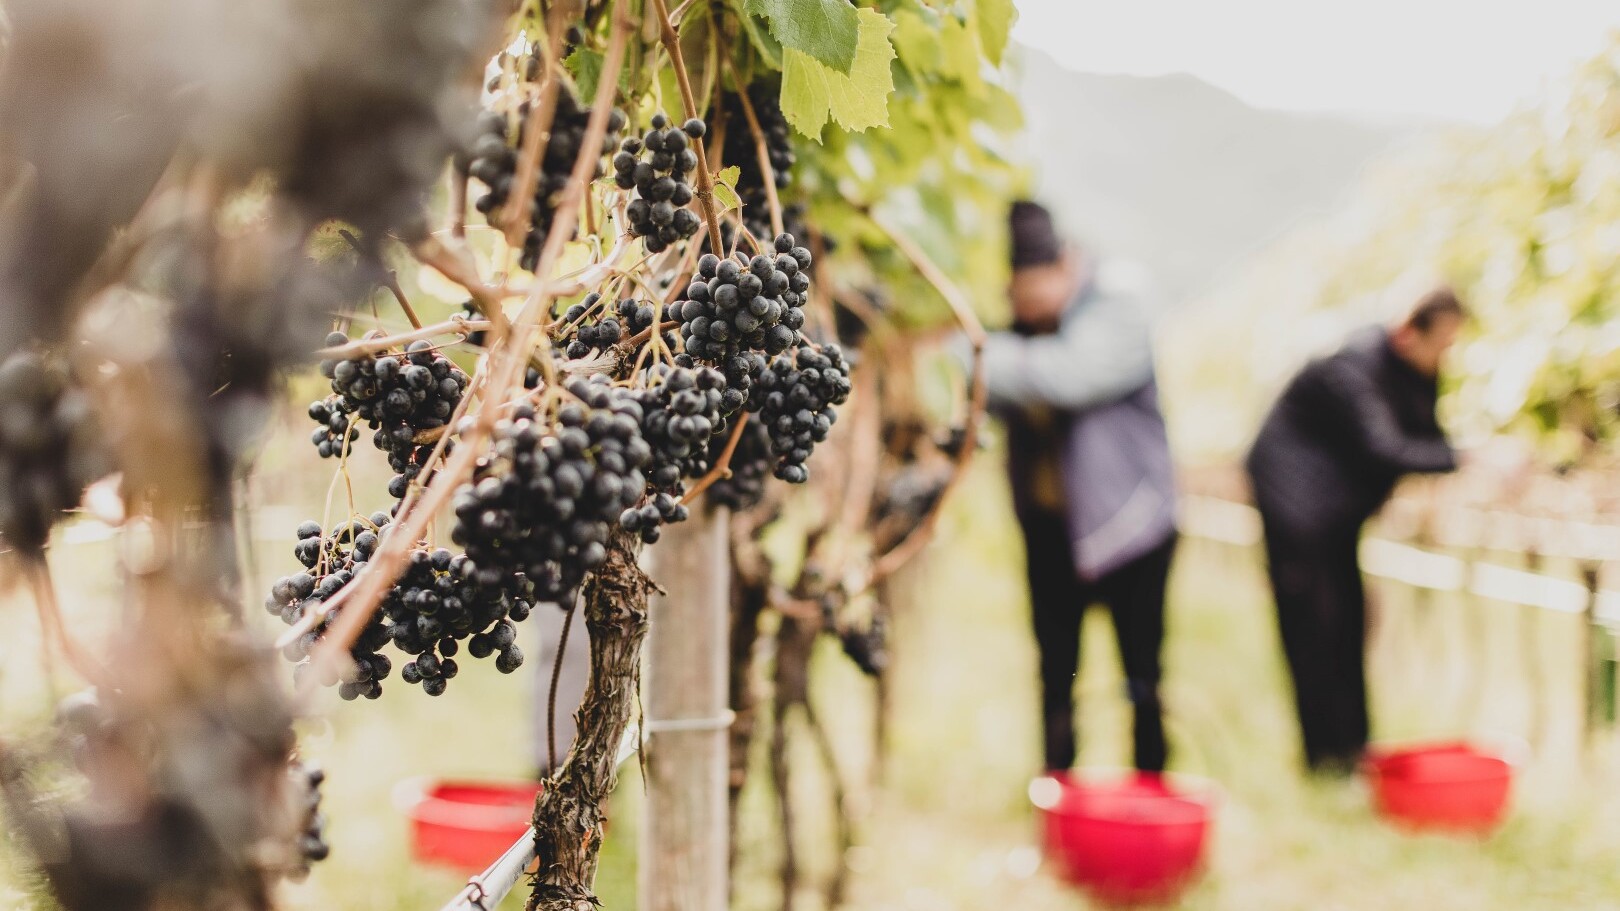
1346	428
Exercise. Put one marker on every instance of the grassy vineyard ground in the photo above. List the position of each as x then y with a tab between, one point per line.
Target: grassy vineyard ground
952	830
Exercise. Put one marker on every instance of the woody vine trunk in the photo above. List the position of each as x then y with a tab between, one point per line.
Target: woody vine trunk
568	813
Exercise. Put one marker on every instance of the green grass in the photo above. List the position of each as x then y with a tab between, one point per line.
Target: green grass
951	828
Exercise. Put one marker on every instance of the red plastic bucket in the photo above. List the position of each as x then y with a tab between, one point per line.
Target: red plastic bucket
1450	787
466	824
1127	841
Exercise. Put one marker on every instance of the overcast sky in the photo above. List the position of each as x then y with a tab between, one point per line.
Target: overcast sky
1468	60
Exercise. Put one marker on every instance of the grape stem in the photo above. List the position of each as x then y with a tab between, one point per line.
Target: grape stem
705	187
376	345
385	276
646	333
866	449
722	466
551	692
762	152
456	264
594	274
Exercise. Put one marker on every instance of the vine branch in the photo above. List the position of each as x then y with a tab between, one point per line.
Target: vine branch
551	692
385	277
456	325
722	465
913	543
456	264
762	151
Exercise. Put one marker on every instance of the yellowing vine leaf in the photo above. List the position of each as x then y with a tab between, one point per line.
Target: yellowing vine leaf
812	93
725	189
995	19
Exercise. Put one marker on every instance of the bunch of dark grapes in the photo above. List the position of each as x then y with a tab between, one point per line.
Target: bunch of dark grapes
398	395
750	468
736	308
437	602
544	503
330	561
204	798
793	399
48	447
335	432
628	319
680	416
850	327
910	493
655	167
869	647
952	441
746	304
494	161
740	151
499	640
305	779
527	64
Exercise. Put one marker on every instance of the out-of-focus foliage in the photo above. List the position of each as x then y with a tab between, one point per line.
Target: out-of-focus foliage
907	114
941	170
1523	219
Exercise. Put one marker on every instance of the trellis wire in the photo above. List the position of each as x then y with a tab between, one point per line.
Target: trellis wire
489	888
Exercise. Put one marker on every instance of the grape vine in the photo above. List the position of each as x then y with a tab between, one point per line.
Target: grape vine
637	334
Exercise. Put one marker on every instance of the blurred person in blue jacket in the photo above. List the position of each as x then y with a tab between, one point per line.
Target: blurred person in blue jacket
1090	469
1345	429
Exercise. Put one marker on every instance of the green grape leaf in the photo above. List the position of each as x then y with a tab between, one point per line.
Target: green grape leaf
812	93
759	35
669	93
585	65
959	52
825	30
995	19
917	41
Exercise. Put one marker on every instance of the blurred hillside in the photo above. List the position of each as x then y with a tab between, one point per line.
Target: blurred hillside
1180	175
1519	217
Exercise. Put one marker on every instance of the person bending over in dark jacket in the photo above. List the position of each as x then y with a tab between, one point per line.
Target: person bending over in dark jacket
1345	429
1090	471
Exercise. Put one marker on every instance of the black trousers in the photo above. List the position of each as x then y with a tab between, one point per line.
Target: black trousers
1134	595
1322	617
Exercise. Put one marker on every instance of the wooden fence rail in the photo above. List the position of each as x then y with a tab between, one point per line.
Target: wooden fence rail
1430	562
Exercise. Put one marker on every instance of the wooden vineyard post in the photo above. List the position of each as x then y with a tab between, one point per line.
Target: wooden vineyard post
1601	658
1530	649
685	853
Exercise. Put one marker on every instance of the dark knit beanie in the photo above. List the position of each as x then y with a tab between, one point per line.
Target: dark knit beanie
1034	239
